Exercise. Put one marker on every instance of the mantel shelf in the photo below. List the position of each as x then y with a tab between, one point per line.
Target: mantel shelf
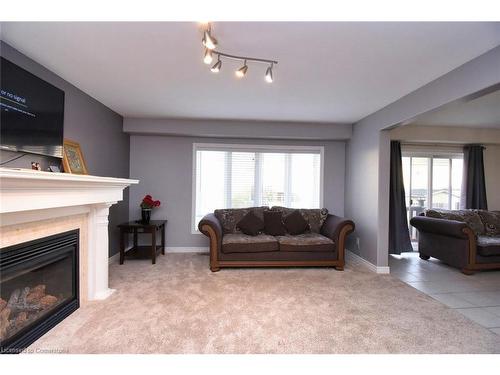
11	174
24	189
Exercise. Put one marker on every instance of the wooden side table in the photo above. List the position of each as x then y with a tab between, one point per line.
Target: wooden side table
141	252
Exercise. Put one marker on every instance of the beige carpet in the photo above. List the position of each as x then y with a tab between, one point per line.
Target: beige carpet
179	306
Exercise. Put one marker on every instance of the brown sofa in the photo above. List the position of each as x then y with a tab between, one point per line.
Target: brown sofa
321	245
466	239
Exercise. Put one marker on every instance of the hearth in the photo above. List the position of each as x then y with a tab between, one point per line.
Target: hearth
38	288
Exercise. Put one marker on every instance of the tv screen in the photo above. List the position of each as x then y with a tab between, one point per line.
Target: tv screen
32	112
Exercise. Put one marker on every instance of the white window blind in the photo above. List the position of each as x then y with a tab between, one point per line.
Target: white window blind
235	176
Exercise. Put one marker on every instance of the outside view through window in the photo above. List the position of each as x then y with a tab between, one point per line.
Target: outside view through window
431	182
234	179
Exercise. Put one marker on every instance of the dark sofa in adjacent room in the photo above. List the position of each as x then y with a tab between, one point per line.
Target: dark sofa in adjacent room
466	239
280	236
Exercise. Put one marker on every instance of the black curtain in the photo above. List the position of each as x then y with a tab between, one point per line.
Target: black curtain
399	236
473	183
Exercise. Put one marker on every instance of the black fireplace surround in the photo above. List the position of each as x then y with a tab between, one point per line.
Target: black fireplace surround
38	288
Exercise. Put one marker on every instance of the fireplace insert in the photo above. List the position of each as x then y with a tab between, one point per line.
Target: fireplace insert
38	288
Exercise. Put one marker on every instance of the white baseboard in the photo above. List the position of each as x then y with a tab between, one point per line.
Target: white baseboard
355	258
187	249
174	249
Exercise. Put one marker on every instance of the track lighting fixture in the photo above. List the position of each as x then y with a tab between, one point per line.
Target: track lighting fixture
240	73
208	40
269	74
207	58
210	43
217	66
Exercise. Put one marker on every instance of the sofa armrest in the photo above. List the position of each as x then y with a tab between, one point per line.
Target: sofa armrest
333	225
211	227
451	228
451	241
212	221
337	228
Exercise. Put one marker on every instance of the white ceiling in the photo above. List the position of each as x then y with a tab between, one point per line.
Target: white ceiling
482	112
327	72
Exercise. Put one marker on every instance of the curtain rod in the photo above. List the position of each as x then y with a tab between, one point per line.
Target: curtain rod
416	143
410	143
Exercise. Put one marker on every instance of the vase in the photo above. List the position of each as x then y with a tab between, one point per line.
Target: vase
146	215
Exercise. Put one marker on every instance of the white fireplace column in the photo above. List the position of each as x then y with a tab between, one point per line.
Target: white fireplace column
98	252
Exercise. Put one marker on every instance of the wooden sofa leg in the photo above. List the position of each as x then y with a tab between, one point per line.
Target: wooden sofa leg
339	268
214	268
467	271
424	257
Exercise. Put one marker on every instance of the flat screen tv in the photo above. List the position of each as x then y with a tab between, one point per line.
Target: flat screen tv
32	112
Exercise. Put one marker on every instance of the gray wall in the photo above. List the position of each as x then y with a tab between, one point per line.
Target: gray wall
97	128
164	166
492	176
238	129
367	183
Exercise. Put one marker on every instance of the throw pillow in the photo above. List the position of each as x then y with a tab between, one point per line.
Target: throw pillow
295	223
315	217
273	224
251	224
230	217
491	221
469	217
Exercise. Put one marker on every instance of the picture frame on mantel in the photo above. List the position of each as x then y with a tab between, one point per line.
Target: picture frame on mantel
73	161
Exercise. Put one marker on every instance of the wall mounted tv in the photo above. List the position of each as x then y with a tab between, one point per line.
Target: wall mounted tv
32	112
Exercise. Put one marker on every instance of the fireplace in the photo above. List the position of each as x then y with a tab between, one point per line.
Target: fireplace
38	288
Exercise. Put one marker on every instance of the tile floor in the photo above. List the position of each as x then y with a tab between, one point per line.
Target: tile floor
476	296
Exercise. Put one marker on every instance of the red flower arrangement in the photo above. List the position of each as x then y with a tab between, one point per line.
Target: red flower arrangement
149	203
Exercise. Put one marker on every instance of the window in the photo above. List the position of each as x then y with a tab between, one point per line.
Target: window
234	176
431	180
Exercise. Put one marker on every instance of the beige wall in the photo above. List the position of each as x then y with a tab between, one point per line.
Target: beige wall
458	135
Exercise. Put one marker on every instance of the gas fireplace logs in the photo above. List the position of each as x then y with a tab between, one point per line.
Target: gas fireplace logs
24	306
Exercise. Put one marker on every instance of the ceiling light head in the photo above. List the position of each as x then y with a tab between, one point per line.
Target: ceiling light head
217	66
269	74
207	58
240	73
208	40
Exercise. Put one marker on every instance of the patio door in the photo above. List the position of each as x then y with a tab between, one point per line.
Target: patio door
431	181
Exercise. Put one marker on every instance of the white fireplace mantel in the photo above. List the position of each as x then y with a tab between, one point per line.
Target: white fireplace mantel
28	196
26	190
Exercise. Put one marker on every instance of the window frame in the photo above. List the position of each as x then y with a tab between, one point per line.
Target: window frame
262	148
450	155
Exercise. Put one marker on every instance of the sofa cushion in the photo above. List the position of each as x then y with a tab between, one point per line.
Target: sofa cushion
491	221
306	242
488	246
229	217
250	224
243	243
295	223
273	223
470	217
315	217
